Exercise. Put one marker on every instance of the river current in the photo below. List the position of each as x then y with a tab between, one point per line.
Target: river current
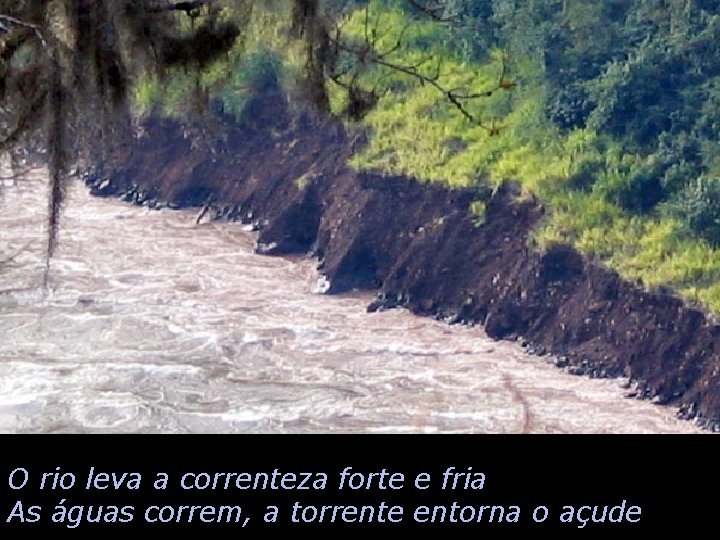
152	323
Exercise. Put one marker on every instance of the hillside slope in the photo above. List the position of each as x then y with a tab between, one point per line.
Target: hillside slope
422	247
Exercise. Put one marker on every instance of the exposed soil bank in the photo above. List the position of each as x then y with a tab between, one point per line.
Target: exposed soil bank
422	248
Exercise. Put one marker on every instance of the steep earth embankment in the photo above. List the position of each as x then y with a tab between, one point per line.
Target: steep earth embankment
421	247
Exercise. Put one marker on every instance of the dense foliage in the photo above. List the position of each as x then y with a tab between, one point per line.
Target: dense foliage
612	121
608	111
68	67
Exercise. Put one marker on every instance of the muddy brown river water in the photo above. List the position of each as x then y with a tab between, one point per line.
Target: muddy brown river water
155	324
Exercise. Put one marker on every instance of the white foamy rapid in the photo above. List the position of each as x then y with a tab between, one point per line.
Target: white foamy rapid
155	324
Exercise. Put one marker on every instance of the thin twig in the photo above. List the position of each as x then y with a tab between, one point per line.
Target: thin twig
187	7
27	116
431	11
34	27
412	71
366	53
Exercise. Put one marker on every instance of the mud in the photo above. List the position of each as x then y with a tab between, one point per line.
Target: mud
420	247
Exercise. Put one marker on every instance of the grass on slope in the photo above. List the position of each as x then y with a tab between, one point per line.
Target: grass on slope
577	175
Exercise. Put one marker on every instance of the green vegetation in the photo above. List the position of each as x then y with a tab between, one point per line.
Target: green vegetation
265	57
608	112
612	122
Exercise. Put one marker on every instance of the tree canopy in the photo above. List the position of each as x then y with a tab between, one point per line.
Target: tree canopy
608	111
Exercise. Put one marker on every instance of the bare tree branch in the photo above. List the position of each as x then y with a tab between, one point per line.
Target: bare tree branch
366	53
34	27
188	7
431	10
29	116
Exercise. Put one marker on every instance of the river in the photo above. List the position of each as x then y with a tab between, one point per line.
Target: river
152	323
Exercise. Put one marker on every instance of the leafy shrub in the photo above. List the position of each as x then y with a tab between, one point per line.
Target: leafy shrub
636	192
698	205
256	75
570	107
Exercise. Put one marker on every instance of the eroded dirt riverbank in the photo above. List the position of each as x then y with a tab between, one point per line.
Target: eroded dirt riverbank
421	247
155	324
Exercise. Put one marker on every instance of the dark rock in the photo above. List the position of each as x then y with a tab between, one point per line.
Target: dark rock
562	362
421	247
103	188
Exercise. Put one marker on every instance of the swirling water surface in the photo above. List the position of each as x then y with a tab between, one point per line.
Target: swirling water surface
152	323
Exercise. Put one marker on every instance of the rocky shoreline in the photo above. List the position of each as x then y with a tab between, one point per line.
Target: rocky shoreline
420	246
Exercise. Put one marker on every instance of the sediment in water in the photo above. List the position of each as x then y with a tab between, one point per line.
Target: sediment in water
421	247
